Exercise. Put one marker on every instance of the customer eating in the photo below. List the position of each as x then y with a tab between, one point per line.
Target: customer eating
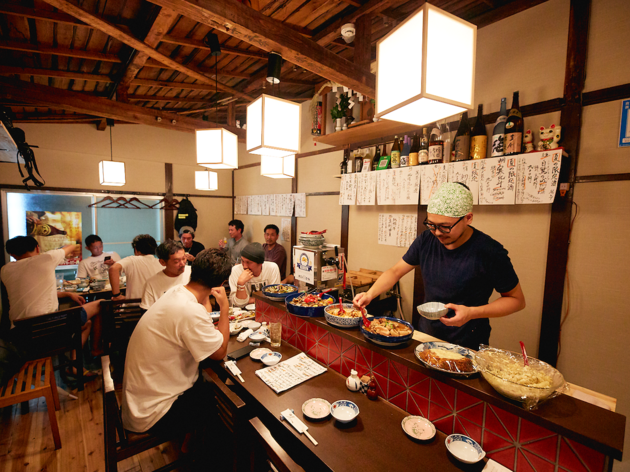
251	272
171	256
191	247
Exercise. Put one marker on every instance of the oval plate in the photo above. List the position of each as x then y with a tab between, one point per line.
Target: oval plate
418	427
449	347
256	354
316	409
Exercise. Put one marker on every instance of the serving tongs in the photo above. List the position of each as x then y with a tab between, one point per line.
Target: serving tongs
525	361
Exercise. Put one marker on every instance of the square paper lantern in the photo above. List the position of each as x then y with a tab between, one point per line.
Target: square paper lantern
273	127
217	148
206	180
439	81
278	167
111	173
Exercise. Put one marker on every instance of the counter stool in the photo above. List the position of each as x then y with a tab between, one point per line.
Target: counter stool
276	455
27	384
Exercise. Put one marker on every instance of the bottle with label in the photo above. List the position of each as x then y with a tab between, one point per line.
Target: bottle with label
350	165
461	143
395	154
478	137
436	147
514	129
423	153
498	133
367	161
358	160
404	155
344	164
414	150
377	158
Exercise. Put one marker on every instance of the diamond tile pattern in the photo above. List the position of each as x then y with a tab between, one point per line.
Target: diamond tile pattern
513	442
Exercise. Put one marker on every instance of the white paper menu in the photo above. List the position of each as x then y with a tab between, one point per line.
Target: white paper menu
497	181
407	190
290	373
433	176
366	188
538	174
254	205
264	204
396	229
300	204
385	191
466	172
240	205
348	189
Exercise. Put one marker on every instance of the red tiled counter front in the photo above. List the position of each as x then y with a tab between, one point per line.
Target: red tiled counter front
513	441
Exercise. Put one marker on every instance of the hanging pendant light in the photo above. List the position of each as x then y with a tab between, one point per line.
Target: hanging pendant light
273	126
274	66
111	172
206	180
278	167
427	91
217	148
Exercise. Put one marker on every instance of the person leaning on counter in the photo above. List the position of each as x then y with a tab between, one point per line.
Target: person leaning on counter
252	269
461	266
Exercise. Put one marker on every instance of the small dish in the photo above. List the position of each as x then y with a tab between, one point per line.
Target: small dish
418	427
235	328
316	409
215	315
432	310
256	354
271	358
344	411
257	337
254	325
464	449
251	307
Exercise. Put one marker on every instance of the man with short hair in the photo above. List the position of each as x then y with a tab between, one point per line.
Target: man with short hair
138	268
275	252
253	270
32	287
163	392
171	255
191	247
236	243
97	265
461	267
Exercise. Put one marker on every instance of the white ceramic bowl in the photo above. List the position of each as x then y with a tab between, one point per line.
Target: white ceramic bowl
464	449
257	337
432	310
271	358
251	307
256	354
344	411
235	328
254	325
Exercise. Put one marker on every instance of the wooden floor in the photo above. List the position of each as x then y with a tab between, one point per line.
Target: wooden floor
26	442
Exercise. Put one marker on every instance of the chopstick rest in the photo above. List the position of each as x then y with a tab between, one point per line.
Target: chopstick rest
289	416
234	369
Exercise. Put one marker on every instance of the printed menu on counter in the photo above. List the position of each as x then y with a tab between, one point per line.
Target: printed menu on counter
348	190
433	176
397	230
466	172
290	373
538	175
498	181
366	188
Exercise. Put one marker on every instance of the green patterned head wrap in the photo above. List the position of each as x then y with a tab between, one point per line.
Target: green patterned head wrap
452	199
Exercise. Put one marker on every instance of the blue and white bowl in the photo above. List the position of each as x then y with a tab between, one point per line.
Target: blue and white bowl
464	449
278	296
344	411
341	321
311	311
462	351
271	358
388	341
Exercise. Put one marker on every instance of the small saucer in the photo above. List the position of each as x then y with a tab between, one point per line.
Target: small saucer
251	307
316	409
417	427
271	358
256	354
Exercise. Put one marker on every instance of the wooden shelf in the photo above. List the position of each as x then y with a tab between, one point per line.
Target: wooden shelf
8	148
374	130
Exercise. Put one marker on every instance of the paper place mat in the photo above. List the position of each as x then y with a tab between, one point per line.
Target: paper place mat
493	466
289	373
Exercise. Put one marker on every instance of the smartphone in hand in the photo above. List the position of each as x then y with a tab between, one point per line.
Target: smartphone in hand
108	258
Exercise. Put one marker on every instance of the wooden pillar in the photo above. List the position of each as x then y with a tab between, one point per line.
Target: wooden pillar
231	114
169	218
560	228
233	197
294	189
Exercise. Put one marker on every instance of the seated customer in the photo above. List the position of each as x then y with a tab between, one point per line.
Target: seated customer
252	270
274	252
32	287
236	243
138	268
163	392
171	255
192	248
96	266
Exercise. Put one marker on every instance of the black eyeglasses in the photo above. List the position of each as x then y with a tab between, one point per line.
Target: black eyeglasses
443	228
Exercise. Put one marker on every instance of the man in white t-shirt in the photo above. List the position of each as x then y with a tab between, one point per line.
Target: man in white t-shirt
97	265
32	287
139	268
161	393
252	273
172	256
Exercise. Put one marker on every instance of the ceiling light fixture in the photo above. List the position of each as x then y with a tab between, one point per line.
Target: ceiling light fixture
278	167
111	172
206	180
274	66
273	127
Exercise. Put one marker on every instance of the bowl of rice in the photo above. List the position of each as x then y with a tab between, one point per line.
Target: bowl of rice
506	373
351	318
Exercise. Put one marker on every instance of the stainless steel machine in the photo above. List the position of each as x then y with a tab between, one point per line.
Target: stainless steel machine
318	267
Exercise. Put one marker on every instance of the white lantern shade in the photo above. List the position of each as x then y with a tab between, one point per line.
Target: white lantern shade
206	180
217	148
278	167
439	82
111	173
273	127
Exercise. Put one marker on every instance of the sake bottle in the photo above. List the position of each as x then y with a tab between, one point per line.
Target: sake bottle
498	133
478	137
395	154
423	153
514	129
461	143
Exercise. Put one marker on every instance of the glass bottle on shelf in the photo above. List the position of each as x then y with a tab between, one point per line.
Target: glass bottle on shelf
351	163
377	157
404	155
514	129
394	161
344	163
413	151
423	152
367	160
498	133
461	143
358	160
478	137
436	147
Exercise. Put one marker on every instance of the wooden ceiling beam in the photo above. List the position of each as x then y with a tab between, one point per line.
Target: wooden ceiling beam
129	40
195	43
268	34
209	71
501	12
45	96
162	98
25	46
62	74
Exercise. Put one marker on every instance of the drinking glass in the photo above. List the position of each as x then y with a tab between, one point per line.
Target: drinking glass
59	278
275	333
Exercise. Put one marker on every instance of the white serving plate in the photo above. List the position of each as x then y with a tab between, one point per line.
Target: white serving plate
316	409
256	354
418	427
449	347
464	448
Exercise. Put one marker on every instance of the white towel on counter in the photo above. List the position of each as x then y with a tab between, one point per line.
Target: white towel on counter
244	335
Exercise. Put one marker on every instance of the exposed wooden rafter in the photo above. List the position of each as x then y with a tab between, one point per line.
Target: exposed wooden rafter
25	46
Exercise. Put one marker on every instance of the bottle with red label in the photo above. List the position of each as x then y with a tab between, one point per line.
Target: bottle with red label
514	129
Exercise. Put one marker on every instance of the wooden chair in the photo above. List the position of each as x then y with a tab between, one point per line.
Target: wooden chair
120	318
27	384
276	455
51	335
121	444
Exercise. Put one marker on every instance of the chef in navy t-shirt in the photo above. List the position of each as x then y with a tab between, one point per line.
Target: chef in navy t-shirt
461	267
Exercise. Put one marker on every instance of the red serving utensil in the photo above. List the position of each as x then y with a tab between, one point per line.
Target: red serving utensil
525	361
341	310
366	322
319	295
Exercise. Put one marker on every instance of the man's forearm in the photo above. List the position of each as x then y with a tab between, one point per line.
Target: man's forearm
501	307
114	279
383	283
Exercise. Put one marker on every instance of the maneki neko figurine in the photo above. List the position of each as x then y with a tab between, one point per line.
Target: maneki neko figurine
549	137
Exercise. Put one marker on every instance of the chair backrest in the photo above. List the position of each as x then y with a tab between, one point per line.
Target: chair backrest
276	454
112	420
120	318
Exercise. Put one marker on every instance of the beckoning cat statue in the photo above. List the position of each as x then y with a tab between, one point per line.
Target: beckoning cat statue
549	138
528	141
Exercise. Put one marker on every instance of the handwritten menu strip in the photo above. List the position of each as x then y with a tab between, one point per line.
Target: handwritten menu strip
348	190
433	176
498	181
240	205
384	188
366	188
408	189
538	174
466	172
300	204
264	205
290	373
397	230
254	205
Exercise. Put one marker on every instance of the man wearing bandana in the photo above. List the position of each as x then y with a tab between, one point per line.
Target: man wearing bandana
461	267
